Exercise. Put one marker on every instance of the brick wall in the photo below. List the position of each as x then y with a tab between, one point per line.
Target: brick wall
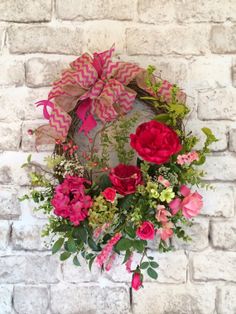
192	43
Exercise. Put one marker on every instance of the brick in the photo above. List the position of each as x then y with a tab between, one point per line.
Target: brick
5	175
5	299
205	11
43	71
9	205
168	272
31	269
214	265
2	37
218	202
223	39
71	299
74	274
208	72
89	10
199	236
223	235
4	234
13	98
102	35
10	134
219	129
184	299
221	168
36	302
232	140
233	73
166	40
25	10
12	72
27	236
46	39
156	11
217	104
227	300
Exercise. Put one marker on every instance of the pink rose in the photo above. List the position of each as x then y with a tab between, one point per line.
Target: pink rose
109	194
162	214
166	231
146	231
190	205
136	281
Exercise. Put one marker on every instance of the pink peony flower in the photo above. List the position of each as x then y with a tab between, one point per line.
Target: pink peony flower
146	231
136	281
70	201
190	205
109	194
162	214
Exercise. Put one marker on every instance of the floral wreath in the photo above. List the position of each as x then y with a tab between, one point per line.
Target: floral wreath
98	212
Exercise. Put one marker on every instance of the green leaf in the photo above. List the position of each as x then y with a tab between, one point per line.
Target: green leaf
163	117
150	257
144	265
200	161
71	245
29	158
62	228
93	245
154	264
127	256
124	244
104	182
91	262
179	109
81	233
64	256
127	201
210	136
152	273
130	231
57	245
139	245
76	261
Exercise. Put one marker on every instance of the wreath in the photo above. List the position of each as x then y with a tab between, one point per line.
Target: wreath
122	183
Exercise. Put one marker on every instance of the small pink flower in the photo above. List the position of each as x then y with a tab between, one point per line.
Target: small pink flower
110	262
109	194
187	158
146	231
163	181
162	214
136	281
166	231
129	263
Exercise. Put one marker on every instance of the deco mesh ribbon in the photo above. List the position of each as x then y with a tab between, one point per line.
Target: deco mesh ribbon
99	87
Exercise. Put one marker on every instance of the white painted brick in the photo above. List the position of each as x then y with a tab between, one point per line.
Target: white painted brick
2	36
168	272
71	299
10	134
31	269
9	203
19	103
184	299
223	235
48	39
214	265
4	234
102	35
223	39
232	140
89	10
221	168
25	10
164	40
227	300
217	104
43	71
12	71
36	301
27	236
199	236
5	299
219	201
156	11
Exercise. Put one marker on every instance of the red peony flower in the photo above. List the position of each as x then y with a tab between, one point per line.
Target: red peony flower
125	178
70	200
109	194
136	281
146	231
155	142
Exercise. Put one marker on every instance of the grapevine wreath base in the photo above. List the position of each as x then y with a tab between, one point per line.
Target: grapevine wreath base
112	190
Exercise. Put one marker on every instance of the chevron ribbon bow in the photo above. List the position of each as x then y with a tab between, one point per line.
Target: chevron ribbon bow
99	87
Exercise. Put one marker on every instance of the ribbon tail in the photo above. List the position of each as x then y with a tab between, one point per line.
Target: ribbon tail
88	124
45	104
84	114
